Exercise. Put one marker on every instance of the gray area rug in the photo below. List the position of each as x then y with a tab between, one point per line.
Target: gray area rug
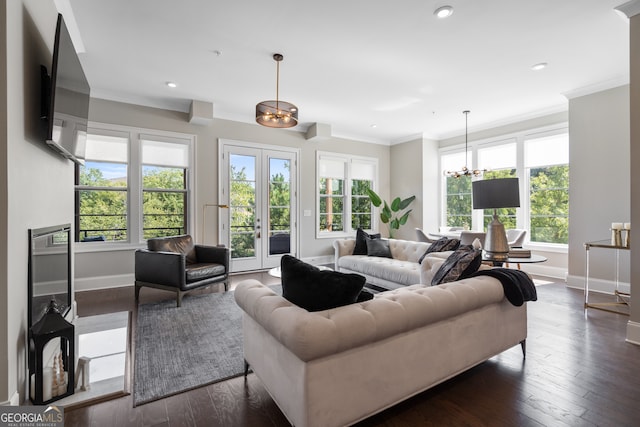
178	349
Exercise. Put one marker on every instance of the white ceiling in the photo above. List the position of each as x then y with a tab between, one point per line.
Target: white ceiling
356	63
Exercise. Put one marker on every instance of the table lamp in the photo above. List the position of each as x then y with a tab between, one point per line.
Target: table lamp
494	194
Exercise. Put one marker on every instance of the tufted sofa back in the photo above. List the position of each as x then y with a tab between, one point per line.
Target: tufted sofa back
407	250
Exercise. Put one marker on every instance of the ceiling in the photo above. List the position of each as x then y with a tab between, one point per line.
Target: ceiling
377	71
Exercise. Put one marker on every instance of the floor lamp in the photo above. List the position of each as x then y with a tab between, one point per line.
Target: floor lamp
204	218
495	194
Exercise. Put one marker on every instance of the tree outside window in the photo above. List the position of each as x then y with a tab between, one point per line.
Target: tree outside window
343	202
458	201
547	166
549	199
105	202
101	202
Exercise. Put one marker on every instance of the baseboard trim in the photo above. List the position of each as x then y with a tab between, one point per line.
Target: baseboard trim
597	285
14	401
318	260
542	270
103	282
633	333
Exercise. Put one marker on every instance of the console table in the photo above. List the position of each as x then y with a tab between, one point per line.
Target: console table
622	298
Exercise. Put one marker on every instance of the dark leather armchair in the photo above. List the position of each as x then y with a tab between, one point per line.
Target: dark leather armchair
177	264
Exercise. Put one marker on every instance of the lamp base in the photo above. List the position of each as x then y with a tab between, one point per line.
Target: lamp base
496	244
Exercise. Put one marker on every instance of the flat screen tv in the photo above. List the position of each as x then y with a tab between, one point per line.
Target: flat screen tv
49	270
65	98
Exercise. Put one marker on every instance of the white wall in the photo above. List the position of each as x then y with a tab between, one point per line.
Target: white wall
39	189
599	182
414	172
116	268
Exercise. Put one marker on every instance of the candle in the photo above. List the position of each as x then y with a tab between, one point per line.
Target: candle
47	384
627	226
616	226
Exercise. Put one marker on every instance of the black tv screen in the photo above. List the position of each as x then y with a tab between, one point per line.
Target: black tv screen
49	270
66	98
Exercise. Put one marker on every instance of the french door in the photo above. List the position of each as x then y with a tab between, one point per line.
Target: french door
259	187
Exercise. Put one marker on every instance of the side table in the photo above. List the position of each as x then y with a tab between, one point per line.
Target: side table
622	298
533	259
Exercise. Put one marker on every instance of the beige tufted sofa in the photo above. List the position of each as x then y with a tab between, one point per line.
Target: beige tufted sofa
339	366
390	273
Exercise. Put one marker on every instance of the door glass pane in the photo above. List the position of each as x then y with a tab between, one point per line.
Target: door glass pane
279	206
242	207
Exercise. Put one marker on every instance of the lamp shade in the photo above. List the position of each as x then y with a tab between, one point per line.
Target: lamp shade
496	193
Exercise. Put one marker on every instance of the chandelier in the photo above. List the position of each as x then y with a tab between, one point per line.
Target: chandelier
465	170
277	114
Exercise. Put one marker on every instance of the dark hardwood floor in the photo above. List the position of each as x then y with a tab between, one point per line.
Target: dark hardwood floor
579	371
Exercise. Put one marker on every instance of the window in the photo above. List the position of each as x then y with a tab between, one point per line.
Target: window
102	190
500	162
457	191
540	159
164	188
343	203
132	186
547	172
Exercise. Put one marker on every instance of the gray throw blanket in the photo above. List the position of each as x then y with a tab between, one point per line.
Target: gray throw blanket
518	286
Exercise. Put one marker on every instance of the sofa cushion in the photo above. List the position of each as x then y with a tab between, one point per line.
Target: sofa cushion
443	244
461	264
196	272
378	247
361	241
313	289
177	244
387	269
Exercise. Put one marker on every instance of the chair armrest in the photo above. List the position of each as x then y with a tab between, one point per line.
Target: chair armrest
213	254
163	268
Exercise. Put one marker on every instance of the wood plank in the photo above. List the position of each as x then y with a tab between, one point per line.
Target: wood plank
579	371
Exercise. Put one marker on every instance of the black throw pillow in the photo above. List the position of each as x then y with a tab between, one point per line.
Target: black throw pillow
379	248
459	265
441	245
361	241
314	290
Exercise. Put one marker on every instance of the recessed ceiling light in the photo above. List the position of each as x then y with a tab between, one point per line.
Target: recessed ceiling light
373	126
172	84
443	12
539	66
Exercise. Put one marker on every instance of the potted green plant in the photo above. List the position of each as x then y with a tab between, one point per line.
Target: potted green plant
393	214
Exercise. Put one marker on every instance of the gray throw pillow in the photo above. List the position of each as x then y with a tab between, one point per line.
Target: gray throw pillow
361	241
459	265
443	244
379	248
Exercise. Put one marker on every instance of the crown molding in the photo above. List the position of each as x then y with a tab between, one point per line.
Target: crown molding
630	9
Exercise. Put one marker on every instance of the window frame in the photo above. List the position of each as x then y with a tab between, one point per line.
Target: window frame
522	213
135	231
348	161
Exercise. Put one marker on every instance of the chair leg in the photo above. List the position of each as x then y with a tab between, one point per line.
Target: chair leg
226	285
179	299
137	292
523	345
246	368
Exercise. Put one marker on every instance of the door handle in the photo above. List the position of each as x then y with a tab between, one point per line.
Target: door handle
258	235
